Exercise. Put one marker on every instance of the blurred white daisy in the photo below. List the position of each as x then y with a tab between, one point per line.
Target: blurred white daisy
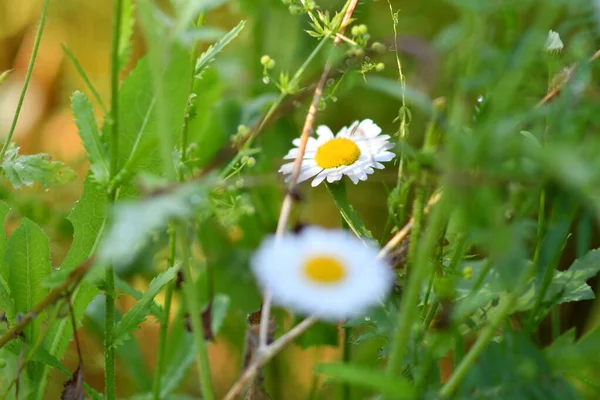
355	151
330	273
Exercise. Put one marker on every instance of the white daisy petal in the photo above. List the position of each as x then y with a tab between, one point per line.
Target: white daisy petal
329	273
354	151
323	131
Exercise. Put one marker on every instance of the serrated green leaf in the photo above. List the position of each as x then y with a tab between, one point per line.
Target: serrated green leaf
25	170
209	55
135	220
127	27
126	288
137	313
27	257
6	304
90	136
88	218
391	386
338	193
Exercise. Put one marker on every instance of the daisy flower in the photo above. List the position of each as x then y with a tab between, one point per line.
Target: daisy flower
330	273
355	151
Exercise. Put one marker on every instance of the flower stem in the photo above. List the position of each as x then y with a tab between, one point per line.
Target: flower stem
109	351
164	327
408	309
36	46
193	305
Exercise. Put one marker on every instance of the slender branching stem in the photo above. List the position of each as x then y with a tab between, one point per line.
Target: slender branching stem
36	46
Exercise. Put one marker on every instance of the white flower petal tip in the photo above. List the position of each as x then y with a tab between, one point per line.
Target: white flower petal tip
329	273
354	151
553	42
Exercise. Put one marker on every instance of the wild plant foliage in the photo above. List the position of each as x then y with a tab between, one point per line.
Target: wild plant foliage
462	171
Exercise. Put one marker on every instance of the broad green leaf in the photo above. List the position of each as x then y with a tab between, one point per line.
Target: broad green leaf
6	304
25	170
137	313
135	220
139	143
90	136
88	218
4	75
393	387
338	193
27	257
127	27
209	55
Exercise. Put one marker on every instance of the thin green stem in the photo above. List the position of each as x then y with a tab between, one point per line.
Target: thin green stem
408	309
164	327
194	307
85	78
109	350
36	46
347	355
504	309
293	82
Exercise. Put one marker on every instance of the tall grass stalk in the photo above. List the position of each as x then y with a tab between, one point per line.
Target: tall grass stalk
34	52
109	322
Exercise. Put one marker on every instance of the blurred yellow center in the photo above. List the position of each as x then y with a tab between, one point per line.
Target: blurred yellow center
324	270
336	153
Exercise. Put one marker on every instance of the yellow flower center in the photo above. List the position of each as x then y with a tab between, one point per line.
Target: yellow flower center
324	270
337	152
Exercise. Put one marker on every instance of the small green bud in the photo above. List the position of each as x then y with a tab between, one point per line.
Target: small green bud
251	162
239	183
468	273
362	29
243	130
264	60
309	5
270	64
359	53
378	47
295	10
355	30
380	67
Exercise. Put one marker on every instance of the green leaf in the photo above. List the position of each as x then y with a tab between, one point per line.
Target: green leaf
88	218
6	304
209	55
127	28
27	257
220	306
88	131
135	220
569	285
25	170
139	143
394	387
126	288
338	193
137	313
